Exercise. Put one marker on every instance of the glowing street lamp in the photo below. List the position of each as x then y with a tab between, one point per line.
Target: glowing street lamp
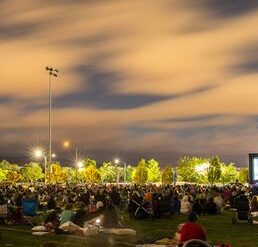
79	165
66	144
118	161
38	154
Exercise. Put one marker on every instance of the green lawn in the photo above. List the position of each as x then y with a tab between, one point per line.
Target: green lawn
218	228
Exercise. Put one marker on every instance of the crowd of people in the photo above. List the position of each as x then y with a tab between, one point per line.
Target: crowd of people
79	203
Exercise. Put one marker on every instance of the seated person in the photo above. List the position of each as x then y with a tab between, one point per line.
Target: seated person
51	204
242	203
148	196
254	204
80	215
92	205
211	207
52	218
67	214
191	230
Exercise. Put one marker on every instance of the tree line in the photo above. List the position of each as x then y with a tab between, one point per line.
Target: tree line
188	169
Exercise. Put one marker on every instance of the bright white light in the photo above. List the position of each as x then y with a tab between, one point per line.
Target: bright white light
38	153
97	221
79	164
117	161
202	167
53	155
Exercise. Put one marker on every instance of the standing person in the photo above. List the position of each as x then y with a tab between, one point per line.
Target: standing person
176	204
211	207
197	207
218	201
191	230
185	206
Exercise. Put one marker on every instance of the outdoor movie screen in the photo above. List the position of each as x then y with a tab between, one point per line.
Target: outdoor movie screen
253	168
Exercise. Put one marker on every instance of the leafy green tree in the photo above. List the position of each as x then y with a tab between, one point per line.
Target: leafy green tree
9	172
243	175
140	173
129	172
69	174
80	175
88	162
214	170
5	165
187	170
31	172
107	172
228	174
13	176
91	174
153	169
58	175
167	175
120	174
3	174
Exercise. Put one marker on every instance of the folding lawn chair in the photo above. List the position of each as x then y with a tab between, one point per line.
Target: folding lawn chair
144	210
29	210
196	243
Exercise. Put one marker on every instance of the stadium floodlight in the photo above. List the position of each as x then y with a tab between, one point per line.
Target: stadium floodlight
51	72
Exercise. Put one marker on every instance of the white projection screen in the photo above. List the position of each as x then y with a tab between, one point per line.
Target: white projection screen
253	168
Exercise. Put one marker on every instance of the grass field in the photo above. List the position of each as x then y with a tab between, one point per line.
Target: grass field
218	228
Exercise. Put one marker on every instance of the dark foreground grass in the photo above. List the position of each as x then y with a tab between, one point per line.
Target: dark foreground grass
219	229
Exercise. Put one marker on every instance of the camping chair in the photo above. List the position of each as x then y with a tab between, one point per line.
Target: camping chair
3	212
196	243
143	210
29	210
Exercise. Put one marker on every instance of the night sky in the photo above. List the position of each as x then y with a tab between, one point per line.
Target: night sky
143	78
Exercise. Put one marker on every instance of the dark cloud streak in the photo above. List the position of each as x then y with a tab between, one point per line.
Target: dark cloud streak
226	8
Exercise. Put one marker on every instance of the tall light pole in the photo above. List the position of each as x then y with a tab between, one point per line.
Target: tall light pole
117	161
51	72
